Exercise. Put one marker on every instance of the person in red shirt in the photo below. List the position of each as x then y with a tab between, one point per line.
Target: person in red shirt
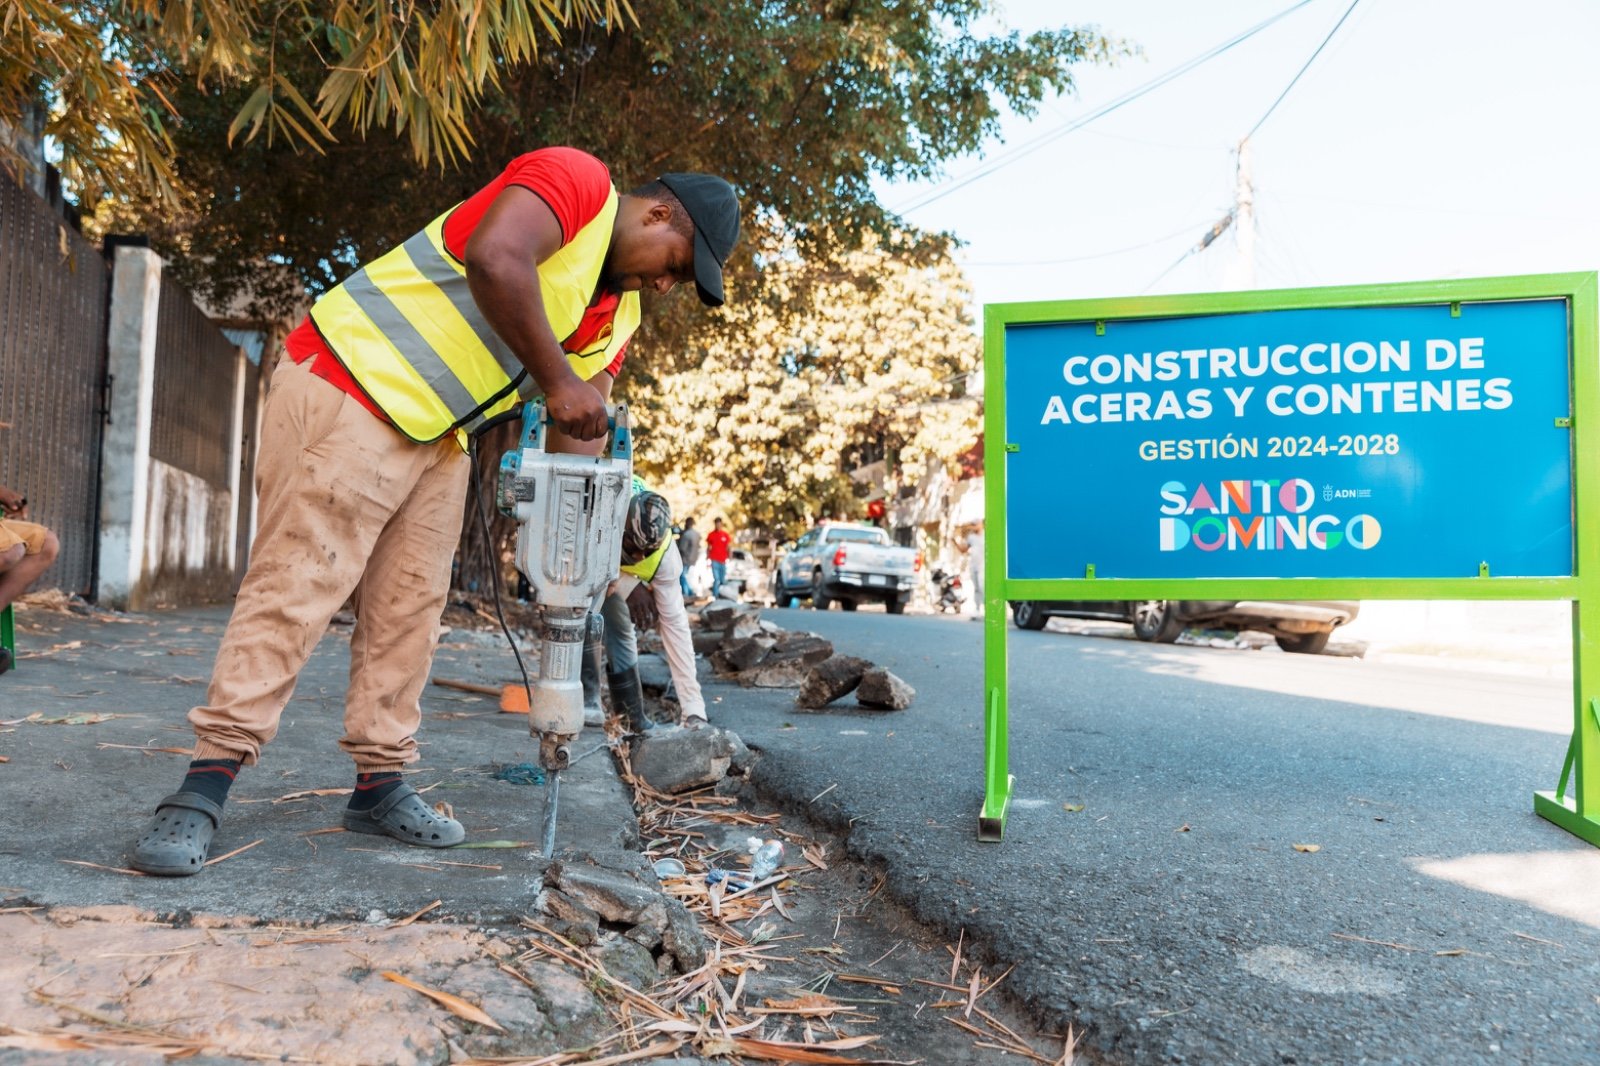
529	287
717	544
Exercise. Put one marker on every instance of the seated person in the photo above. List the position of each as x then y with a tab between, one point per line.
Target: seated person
26	551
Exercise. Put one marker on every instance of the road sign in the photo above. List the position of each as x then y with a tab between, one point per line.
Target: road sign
1414	441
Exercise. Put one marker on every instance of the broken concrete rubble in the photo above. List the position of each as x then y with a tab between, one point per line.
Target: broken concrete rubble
613	896
830	679
719	614
742	627
788	674
678	760
741	655
882	691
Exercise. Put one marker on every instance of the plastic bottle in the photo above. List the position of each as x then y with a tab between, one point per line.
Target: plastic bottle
765	858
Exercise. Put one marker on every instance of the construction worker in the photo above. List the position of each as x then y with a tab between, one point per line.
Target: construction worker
646	596
530	286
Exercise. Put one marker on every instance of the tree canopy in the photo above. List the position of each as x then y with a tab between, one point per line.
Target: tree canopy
110	73
800	103
269	147
863	359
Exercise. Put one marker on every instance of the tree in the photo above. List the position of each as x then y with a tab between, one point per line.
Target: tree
847	362
109	71
800	103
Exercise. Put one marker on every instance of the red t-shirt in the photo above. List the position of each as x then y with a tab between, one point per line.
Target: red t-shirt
717	542
574	184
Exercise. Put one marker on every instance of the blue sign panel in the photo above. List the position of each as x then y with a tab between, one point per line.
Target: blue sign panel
1369	442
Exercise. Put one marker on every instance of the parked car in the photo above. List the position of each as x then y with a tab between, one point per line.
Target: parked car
1297	625
851	563
745	579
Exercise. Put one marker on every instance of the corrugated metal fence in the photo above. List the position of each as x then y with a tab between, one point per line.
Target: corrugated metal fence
53	300
191	422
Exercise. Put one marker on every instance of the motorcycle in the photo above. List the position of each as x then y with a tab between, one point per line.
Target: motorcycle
949	592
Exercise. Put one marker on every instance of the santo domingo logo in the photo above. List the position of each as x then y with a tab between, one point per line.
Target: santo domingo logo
1257	515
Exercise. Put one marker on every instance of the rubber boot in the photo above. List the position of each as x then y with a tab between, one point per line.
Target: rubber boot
589	672
627	696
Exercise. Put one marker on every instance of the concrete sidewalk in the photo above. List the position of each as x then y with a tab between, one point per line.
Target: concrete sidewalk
95	734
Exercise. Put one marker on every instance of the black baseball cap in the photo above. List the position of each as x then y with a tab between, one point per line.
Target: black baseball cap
713	207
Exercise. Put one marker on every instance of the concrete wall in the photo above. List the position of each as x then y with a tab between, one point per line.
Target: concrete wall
167	537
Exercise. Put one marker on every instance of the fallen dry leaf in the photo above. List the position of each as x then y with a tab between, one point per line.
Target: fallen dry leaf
234	852
783	1051
1308	847
454	1004
97	866
413	917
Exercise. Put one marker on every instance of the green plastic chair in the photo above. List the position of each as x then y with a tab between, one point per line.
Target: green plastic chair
8	634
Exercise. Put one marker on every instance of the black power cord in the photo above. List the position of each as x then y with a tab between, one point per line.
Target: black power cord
494	559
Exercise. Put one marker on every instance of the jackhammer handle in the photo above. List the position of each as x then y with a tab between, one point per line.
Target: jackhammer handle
536	416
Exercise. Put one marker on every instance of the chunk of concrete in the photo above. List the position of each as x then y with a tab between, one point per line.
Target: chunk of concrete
830	679
803	647
628	962
570	918
719	613
742	655
789	674
678	760
682	939
615	895
744	625
882	691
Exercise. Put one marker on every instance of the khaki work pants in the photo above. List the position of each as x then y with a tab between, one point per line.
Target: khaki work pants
347	505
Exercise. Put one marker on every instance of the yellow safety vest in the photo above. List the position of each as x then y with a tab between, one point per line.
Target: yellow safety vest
406	327
645	569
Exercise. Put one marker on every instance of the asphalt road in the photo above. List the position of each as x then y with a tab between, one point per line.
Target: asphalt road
1439	921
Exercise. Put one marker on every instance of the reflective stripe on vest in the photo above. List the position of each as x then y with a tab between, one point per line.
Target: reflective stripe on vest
411	335
645	569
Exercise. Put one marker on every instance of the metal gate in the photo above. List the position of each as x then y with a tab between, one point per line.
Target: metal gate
54	287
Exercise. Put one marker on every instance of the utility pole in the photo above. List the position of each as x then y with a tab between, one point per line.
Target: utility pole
1242	273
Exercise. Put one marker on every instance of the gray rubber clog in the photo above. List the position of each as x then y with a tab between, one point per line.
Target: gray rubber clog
179	836
402	814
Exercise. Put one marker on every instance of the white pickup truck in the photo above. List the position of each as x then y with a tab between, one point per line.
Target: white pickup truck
850	563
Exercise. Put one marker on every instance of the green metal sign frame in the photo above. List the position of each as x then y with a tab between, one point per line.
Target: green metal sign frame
1577	810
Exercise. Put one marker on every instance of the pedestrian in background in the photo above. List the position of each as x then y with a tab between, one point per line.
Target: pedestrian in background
717	544
975	566
689	551
26	551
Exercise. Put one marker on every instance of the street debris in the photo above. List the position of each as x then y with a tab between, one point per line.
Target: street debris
880	690
830	679
454	1004
680	760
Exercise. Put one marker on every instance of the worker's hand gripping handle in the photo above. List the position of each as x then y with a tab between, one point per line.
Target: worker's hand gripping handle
536	420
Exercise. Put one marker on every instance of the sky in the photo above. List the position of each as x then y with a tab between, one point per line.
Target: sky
1430	139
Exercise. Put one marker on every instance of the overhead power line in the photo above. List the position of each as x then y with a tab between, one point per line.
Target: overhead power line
1080	258
1229	218
1028	147
1304	67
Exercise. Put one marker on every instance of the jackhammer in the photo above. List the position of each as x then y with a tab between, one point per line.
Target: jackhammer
570	511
